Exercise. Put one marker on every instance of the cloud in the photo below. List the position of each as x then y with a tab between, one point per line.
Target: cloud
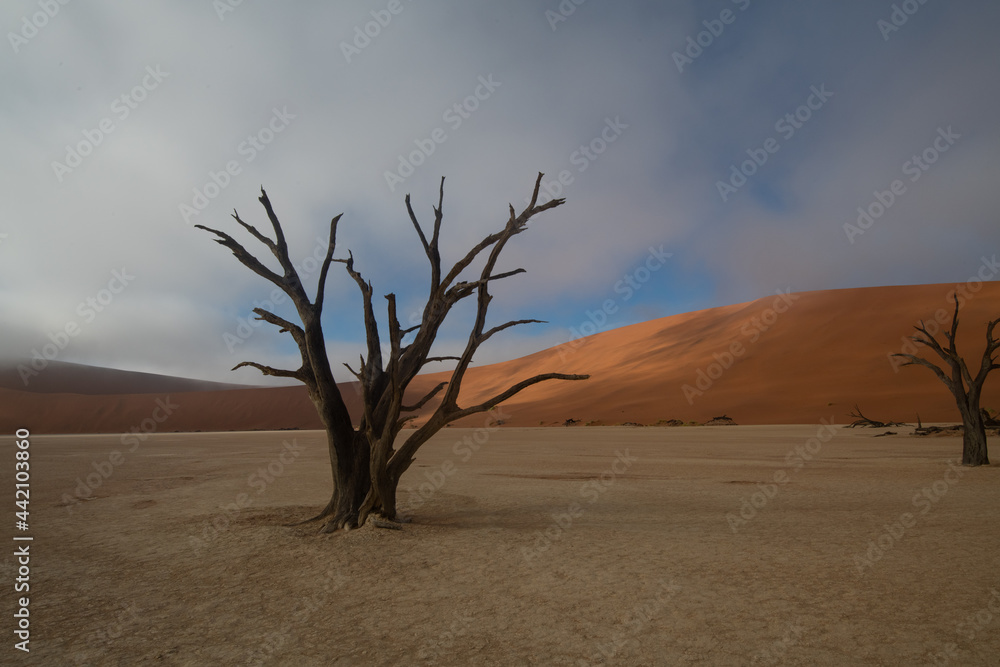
206	136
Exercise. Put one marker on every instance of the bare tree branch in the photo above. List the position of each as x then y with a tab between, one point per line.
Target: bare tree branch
423	401
268	316
280	247
438	216
404	456
515	225
931	342
507	325
325	268
256	234
245	258
516	389
431	248
395	333
374	362
915	360
268	370
429	360
416	226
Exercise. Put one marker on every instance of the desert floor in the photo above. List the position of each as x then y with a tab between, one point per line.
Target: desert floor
557	546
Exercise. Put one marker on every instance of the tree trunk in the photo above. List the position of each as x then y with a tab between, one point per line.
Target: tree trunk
351	482
381	497
974	451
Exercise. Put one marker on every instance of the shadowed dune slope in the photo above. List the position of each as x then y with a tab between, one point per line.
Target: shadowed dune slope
777	360
61	377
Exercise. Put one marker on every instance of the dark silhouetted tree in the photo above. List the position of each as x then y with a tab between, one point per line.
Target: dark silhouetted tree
966	389
365	462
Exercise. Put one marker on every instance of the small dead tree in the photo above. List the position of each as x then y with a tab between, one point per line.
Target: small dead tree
966	389
365	463
861	420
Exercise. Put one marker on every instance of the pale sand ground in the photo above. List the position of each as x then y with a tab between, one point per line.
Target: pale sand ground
650	571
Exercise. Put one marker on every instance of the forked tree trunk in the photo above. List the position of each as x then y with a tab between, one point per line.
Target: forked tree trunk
351	483
381	496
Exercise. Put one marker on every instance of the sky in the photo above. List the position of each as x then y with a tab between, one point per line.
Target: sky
710	153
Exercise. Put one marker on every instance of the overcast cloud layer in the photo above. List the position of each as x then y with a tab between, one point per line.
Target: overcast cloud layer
117	116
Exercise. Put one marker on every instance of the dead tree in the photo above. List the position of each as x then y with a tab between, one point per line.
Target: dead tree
861	420
966	389
365	463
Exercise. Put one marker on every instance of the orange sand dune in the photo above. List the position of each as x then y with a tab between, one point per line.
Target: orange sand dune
777	360
826	352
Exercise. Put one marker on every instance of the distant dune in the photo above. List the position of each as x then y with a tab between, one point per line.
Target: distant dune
60	377
777	360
